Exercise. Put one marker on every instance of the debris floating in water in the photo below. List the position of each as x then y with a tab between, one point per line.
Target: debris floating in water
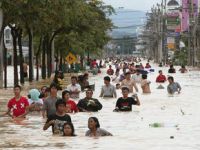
183	113
171	137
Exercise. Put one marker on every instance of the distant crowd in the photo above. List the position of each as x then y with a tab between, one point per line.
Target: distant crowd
129	74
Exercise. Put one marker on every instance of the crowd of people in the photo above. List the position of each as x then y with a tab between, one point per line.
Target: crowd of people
127	77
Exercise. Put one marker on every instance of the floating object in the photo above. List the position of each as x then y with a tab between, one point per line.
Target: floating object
143	72
156	125
160	87
183	113
159	125
171	137
163	108
152	70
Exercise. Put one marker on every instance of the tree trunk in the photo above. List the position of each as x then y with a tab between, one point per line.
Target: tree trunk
1	47
44	58
82	59
61	63
48	51
14	35
37	59
48	60
5	65
49	46
21	55
88	58
30	38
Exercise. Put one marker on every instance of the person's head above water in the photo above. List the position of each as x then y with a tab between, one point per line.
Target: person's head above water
60	106
128	75
170	79
68	129
144	76
125	91
53	89
93	123
65	95
74	80
89	93
107	80
183	66
17	90
160	71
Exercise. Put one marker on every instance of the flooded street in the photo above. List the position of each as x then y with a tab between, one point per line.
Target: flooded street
179	115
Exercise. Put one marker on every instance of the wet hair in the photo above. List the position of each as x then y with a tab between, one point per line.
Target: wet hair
71	126
127	73
74	77
53	85
138	70
18	86
144	76
89	90
107	78
96	121
65	92
125	88
85	75
43	87
170	78
29	96
60	102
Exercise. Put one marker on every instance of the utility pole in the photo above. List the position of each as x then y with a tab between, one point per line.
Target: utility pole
164	49
190	45
1	48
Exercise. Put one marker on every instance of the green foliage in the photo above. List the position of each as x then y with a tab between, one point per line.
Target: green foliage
78	25
180	57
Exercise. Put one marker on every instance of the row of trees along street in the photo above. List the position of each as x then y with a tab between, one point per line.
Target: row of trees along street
76	25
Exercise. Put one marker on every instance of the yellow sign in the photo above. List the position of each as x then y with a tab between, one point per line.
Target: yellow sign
71	58
171	46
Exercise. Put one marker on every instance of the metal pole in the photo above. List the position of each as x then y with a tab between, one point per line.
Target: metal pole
165	53
190	47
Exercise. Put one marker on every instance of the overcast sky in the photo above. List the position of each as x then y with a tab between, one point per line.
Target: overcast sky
133	4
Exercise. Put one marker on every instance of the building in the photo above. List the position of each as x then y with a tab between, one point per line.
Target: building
189	13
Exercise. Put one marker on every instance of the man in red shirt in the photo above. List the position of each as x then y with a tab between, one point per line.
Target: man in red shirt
18	106
110	71
94	63
147	66
70	104
161	78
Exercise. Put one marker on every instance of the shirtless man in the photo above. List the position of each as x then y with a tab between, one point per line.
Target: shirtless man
130	83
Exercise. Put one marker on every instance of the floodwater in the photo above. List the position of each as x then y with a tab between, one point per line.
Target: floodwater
179	114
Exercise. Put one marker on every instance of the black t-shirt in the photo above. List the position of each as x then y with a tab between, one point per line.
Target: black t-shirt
125	104
85	105
171	70
57	128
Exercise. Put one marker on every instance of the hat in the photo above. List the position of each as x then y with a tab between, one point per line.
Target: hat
34	94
